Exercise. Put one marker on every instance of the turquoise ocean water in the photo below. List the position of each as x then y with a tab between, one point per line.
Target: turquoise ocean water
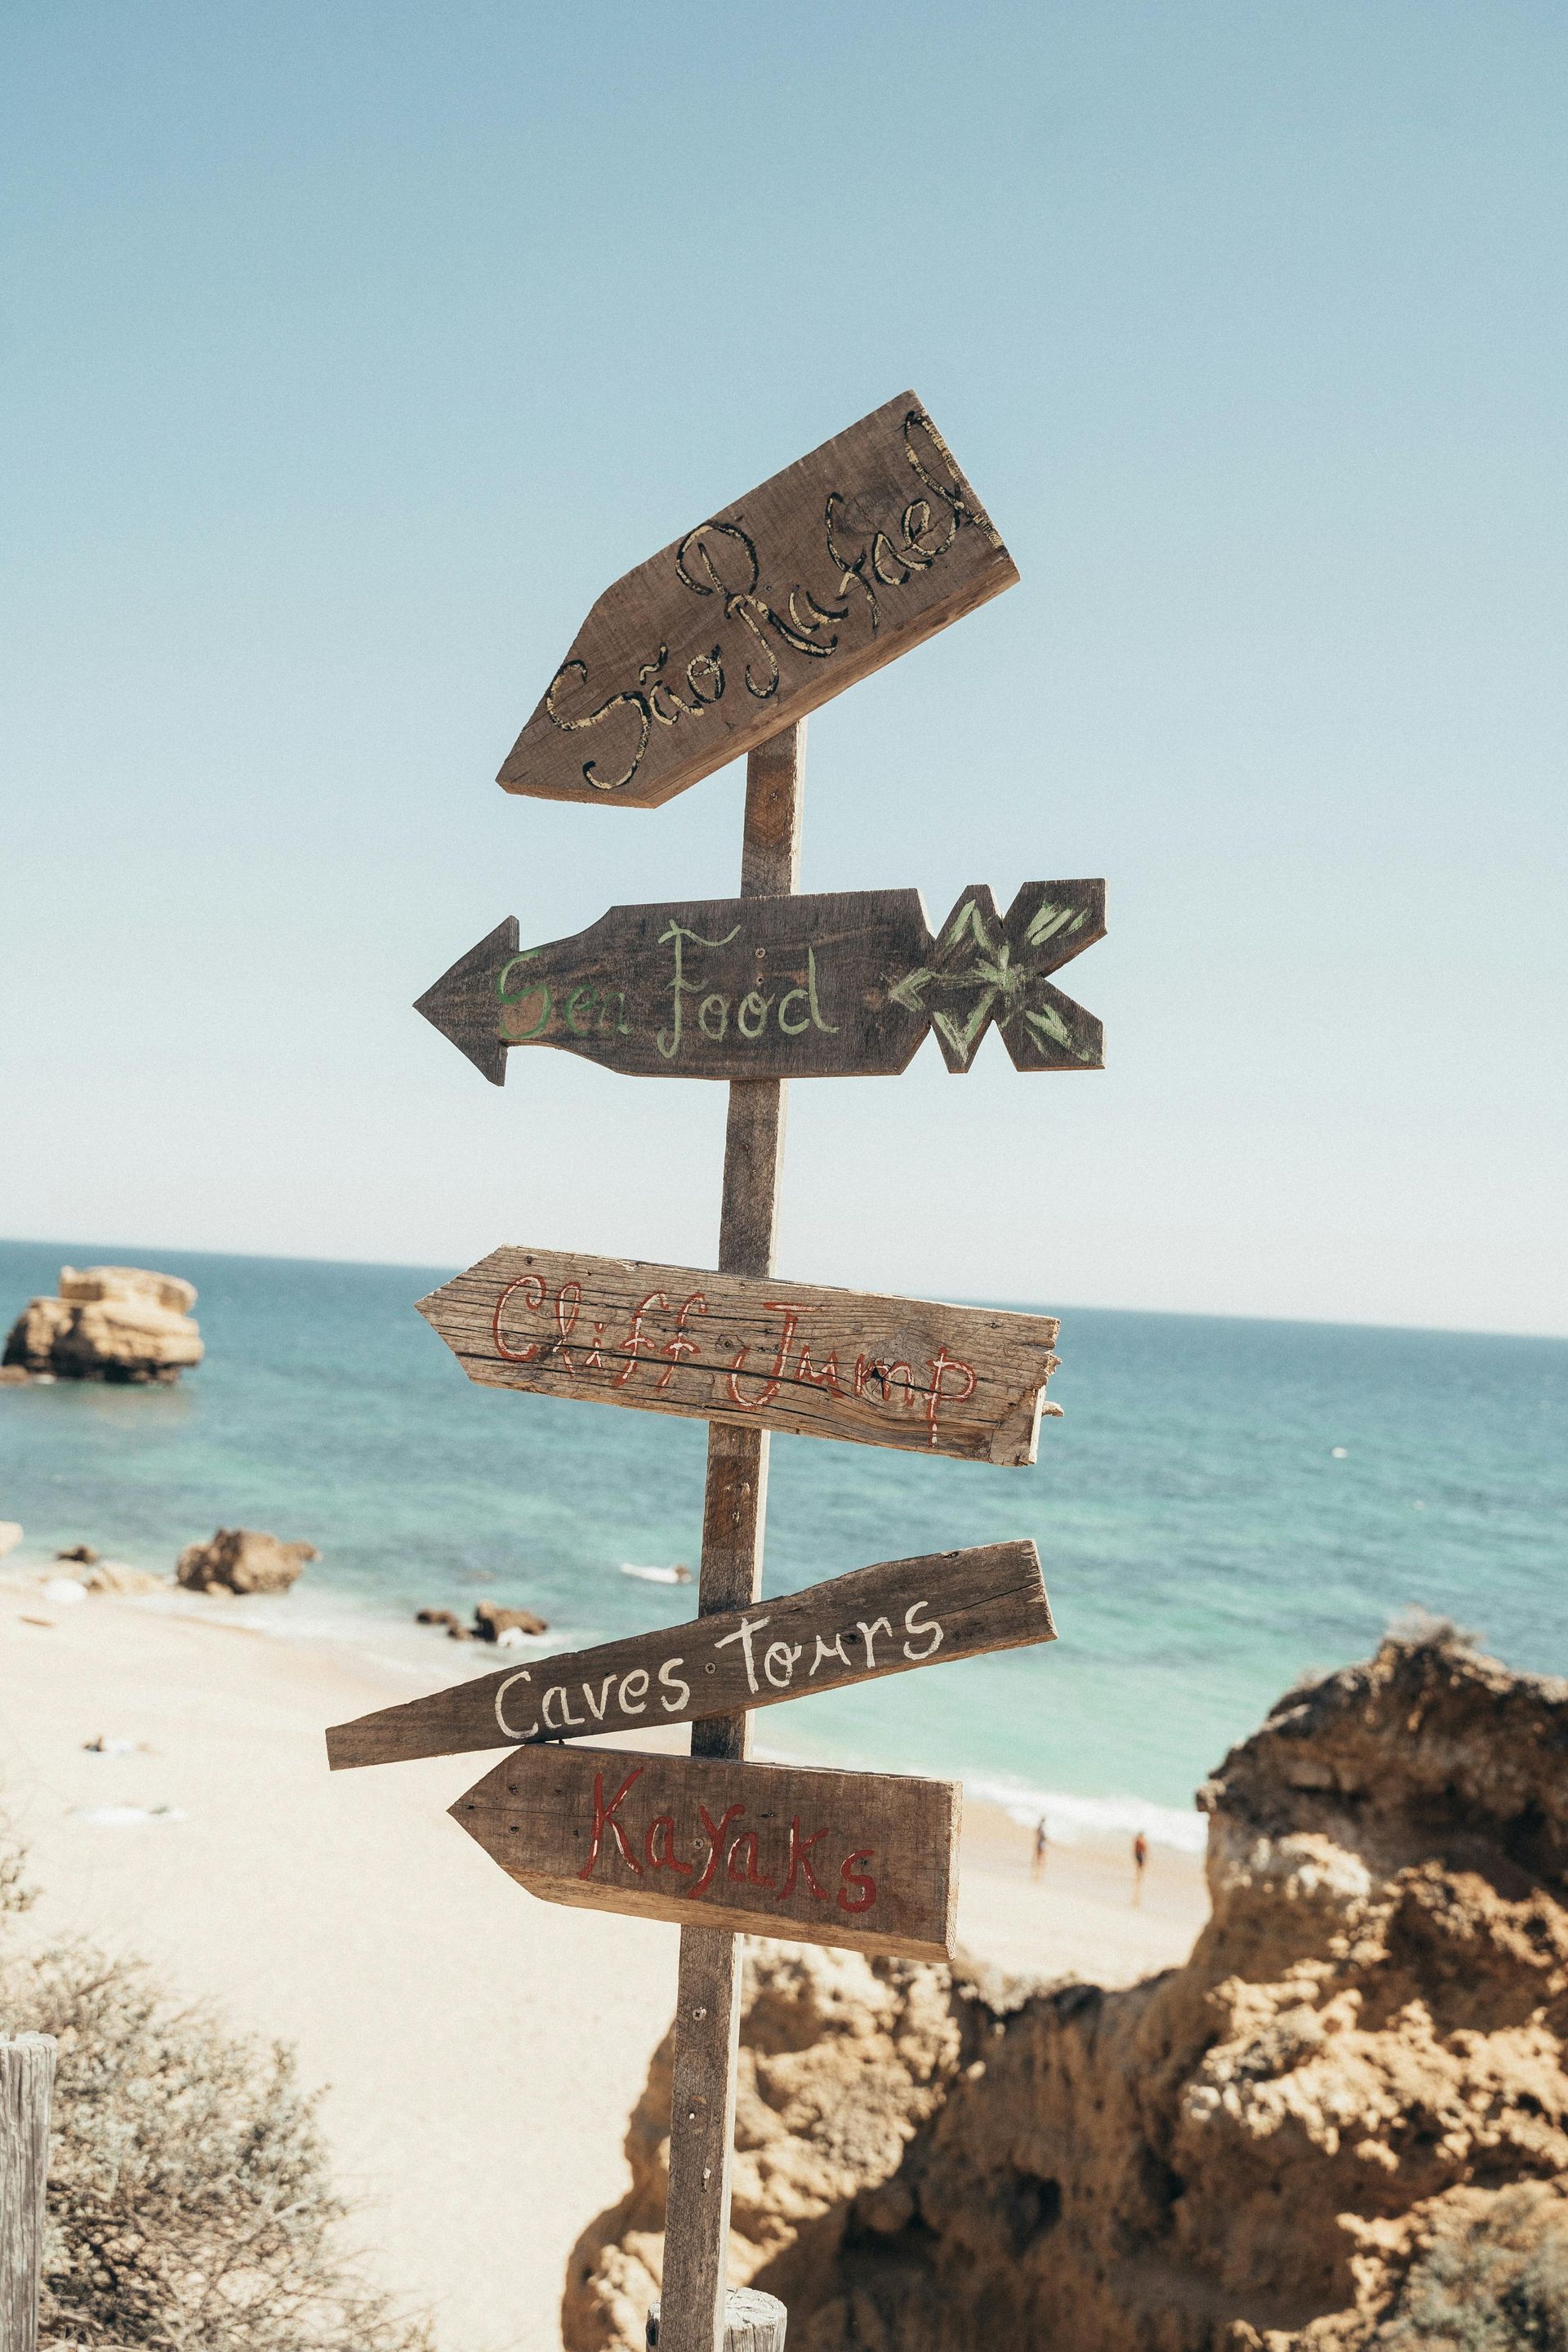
1225	1506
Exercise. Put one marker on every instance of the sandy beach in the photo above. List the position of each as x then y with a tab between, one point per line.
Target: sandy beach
483	2050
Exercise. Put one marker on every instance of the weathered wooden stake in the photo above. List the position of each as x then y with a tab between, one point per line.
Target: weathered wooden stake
752	2322
708	2002
27	2080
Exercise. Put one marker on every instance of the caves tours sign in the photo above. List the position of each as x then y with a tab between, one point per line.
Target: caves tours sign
843	984
875	1621
761	611
721	644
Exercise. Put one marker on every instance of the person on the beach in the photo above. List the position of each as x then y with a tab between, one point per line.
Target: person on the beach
1038	1869
1140	1865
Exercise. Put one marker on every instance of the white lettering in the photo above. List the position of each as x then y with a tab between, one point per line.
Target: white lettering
500	1708
868	1635
597	1712
933	1629
672	1682
742	1633
786	1655
640	1676
833	1649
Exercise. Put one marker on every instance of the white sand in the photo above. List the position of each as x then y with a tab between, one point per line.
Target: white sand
483	2050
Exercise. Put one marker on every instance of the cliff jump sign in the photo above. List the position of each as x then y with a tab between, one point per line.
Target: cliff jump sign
720	644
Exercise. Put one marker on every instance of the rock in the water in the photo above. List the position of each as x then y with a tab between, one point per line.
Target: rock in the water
455	1629
83	1553
1344	2120
117	1575
491	1621
107	1323
240	1560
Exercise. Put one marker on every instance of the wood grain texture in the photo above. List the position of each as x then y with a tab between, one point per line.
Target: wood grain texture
26	2084
753	2322
885	1620
844	560
705	2058
842	983
752	1353
863	1859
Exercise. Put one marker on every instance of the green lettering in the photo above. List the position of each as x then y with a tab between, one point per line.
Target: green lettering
792	1028
759	1018
571	1017
617	1021
513	1029
706	1026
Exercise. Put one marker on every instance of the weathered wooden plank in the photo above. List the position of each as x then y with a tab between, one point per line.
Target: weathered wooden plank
864	1859
754	1353
26	2083
885	1620
753	2322
705	2059
836	984
848	558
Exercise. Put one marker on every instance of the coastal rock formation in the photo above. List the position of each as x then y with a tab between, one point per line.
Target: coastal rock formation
119	1580
109	1323
1342	2124
491	1621
240	1560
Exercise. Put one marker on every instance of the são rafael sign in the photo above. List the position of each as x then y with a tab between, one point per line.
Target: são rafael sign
720	644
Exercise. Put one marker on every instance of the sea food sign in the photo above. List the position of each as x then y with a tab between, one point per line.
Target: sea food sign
761	612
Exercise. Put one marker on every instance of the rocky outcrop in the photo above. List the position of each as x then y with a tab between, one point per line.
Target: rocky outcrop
240	1560
1342	2124
493	1622
109	1323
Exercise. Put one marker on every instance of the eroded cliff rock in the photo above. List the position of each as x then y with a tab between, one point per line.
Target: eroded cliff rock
107	1323
242	1559
1343	2123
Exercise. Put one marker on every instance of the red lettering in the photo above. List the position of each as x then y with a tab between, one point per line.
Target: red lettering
525	1283
771	1385
593	1361
636	1338
566	1324
800	1861
750	1876
715	1846
860	1879
680	1345
660	1851
604	1818
827	1378
940	1363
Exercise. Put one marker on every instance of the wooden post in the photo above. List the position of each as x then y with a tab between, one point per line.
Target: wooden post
26	2079
708	2002
752	2322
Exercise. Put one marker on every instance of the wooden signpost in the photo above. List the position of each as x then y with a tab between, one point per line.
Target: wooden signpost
864	1859
754	1353
759	613
842	986
875	1621
720	644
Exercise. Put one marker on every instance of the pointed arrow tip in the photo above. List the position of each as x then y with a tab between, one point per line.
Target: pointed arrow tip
460	1004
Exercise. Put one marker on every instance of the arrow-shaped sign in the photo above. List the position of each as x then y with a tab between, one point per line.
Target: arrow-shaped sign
876	1620
846	559
753	1351
866	1859
845	985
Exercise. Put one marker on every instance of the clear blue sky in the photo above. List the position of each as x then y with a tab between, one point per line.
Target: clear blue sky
350	350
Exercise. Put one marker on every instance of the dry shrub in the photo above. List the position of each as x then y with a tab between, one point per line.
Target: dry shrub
1499	2284
190	2207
